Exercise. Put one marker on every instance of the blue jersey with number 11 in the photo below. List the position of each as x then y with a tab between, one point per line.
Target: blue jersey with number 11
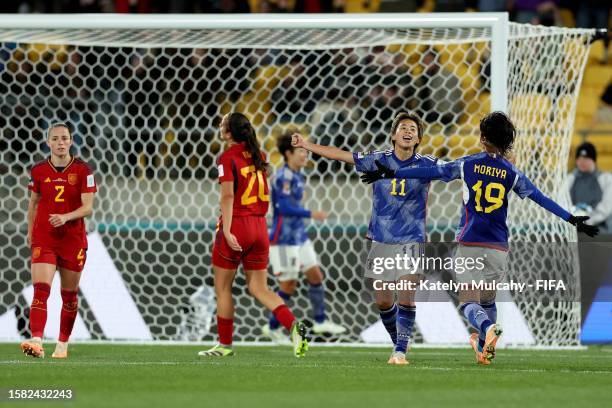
487	180
399	206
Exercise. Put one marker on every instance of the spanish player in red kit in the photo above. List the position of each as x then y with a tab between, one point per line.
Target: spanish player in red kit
62	193
242	235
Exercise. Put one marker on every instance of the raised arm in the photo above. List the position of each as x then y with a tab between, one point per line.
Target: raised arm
525	188
446	172
329	152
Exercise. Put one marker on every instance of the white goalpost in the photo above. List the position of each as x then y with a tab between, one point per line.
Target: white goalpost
145	93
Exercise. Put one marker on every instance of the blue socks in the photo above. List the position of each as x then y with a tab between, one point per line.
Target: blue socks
272	322
491	310
477	317
389	318
316	294
405	322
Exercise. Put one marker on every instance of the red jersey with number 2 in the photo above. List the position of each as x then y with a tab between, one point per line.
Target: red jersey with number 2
251	194
60	193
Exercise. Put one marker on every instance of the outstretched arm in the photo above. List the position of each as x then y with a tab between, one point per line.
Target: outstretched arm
446	172
525	188
329	152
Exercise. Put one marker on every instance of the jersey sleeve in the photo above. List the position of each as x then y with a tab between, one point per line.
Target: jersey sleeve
34	184
364	161
523	187
224	168
445	172
88	180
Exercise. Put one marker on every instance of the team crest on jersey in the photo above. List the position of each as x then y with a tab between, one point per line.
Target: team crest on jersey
73	179
247	155
36	252
287	187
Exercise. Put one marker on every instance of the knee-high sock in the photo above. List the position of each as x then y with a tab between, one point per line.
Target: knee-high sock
316	293
389	319
70	305
284	316
38	309
272	322
491	310
476	316
405	322
225	329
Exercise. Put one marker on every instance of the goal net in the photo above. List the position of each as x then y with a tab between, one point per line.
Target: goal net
145	104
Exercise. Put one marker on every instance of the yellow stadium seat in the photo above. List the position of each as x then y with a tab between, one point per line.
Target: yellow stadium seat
530	111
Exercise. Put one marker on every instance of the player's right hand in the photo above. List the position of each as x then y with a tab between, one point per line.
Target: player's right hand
297	140
318	215
232	241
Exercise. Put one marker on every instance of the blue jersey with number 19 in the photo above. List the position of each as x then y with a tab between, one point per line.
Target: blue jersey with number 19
487	179
399	205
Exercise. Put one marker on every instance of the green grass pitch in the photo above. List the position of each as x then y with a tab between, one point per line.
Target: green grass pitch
174	376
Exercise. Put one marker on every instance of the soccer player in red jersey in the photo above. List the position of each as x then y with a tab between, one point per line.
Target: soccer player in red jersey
242	235
62	196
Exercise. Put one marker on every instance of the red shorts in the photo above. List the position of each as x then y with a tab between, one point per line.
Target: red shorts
252	235
66	258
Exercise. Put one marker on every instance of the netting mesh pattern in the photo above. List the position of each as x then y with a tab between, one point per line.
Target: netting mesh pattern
145	106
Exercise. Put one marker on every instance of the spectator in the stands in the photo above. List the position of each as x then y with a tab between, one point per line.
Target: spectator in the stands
492	5
543	12
591	189
595	14
440	96
449	6
604	112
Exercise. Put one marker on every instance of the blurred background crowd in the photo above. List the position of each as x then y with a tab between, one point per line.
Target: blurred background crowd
120	91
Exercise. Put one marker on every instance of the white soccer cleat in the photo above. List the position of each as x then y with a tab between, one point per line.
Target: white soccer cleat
217	351
328	326
398	358
61	350
276	335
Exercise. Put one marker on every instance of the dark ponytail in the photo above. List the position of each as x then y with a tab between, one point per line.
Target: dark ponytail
242	131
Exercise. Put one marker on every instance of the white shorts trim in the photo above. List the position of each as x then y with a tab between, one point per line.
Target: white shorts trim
288	261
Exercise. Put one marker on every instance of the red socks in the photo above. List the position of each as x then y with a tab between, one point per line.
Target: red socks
70	305
38	309
284	316
225	328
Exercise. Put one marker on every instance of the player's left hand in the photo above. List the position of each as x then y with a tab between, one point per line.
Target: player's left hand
57	220
590	230
380	173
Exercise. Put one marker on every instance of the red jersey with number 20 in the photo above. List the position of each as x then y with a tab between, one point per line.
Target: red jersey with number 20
60	193
251	194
